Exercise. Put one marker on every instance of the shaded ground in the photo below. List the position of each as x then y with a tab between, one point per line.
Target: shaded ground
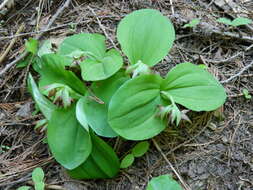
215	153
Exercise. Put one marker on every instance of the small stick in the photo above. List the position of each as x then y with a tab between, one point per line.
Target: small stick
39	12
172	8
238	95
233	35
236	128
52	28
3	4
48	186
230	58
2	57
172	167
58	12
238	74
103	28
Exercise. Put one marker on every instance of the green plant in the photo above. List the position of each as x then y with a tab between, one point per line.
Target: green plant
137	151
163	182
246	93
192	23
236	22
38	180
35	53
31	45
38	177
86	93
4	148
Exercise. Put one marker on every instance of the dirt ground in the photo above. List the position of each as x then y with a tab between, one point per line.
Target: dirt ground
215	152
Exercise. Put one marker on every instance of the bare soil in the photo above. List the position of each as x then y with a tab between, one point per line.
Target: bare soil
215	152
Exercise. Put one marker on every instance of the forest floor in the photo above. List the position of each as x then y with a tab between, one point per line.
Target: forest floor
215	152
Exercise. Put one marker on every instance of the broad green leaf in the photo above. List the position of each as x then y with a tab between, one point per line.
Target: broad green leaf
127	161
39	186
133	108
101	68
241	21
38	175
45	106
83	44
145	35
163	182
53	71
96	111
24	188
192	23
102	162
31	45
80	114
69	142
98	64
194	87
225	21
140	149
46	48
37	64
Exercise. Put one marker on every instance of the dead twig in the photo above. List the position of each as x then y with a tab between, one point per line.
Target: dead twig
200	144
233	35
10	175
181	145
2	57
48	186
52	20
39	12
172	8
42	31
3	4
172	167
235	131
103	28
58	12
238	74
21	180
230	58
52	28
238	95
